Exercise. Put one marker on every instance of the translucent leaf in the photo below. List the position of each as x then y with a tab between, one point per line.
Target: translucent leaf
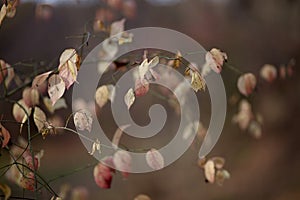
39	118
154	159
40	79
117	136
5	136
122	161
5	188
209	171
56	88
83	120
31	97
129	98
142	197
246	84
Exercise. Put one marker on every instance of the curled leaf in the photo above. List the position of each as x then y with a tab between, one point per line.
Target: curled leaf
154	159
197	82
83	120
56	88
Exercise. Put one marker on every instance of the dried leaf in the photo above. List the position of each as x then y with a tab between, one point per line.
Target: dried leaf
154	159
56	88
209	171
129	98
197	82
39	118
246	84
83	120
5	188
122	161
4	136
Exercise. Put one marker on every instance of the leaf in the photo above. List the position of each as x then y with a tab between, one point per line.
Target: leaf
39	118
117	136
221	176
197	82
31	96
209	171
83	120
19	111
154	159
10	75
40	79
102	175
56	88
5	136
96	147
2	13
60	103
5	188
140	89
142	197
216	60
116	28
246	84
3	70
268	72
122	161
219	162
129	98
102	95
69	64
255	129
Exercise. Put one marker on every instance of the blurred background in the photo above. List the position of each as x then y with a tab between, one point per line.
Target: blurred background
251	32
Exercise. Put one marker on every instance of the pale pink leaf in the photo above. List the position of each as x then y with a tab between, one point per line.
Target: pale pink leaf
19	110
117	27
56	88
140	89
102	175
154	159
31	96
268	72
